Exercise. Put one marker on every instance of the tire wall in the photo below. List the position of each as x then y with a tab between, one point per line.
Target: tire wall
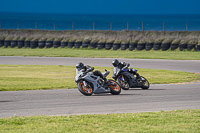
148	46
156	46
198	48
85	44
165	46
132	46
190	47
49	44
56	44
27	44
77	44
7	43
63	44
70	44
108	46
93	45
1	43
174	46
141	46
20	43
116	46
33	44
99	45
41	44
13	43
182	46
124	46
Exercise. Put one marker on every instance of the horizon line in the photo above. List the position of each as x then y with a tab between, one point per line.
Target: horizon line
89	13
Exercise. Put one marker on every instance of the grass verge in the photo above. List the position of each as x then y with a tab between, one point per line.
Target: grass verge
37	77
94	53
156	122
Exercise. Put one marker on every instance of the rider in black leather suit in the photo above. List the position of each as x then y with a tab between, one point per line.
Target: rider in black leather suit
80	66
122	65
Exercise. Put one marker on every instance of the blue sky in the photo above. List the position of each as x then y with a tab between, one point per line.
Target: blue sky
102	6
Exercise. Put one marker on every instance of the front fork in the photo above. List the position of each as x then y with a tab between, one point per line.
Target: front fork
85	84
122	77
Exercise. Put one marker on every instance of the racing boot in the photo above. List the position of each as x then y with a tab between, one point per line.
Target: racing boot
105	81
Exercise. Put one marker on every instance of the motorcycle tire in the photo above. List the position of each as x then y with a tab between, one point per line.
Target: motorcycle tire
83	89
144	83
114	90
123	84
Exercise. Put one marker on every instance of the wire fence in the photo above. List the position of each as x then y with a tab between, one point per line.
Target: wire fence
92	27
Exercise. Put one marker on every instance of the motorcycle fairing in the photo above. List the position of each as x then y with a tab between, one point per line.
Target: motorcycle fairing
97	88
132	80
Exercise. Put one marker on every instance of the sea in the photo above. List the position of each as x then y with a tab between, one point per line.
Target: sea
169	22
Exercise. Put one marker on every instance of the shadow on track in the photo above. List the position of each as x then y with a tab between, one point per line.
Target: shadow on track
5	101
135	89
104	94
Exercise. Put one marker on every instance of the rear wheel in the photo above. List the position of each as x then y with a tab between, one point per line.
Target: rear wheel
114	88
123	82
144	83
85	90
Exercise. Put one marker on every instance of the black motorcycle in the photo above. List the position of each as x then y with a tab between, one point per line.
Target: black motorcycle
129	78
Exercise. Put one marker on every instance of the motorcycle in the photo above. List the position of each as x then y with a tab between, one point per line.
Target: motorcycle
127	78
88	83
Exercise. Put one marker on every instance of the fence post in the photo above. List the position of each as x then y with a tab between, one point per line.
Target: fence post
127	26
93	26
163	26
111	26
36	25
54	26
142	26
186	26
73	26
18	26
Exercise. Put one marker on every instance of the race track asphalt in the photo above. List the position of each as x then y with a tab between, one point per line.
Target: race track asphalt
70	101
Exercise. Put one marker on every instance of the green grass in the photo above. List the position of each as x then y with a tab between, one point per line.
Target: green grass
37	77
94	53
184	121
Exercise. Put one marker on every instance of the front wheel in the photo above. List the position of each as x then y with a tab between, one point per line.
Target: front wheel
114	88
123	82
85	90
144	83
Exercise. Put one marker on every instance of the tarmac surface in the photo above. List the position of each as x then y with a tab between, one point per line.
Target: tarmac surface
70	101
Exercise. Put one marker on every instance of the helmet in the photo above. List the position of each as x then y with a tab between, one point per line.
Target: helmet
115	62
79	66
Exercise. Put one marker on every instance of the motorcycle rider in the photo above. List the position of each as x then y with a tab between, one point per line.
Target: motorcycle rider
85	69
123	65
120	65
